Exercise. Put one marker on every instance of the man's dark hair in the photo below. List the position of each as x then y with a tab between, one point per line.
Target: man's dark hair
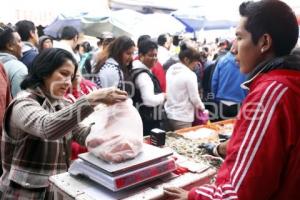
24	27
275	18
6	36
68	33
176	40
146	46
45	64
162	39
142	38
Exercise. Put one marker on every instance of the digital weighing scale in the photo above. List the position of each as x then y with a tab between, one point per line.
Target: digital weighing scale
151	163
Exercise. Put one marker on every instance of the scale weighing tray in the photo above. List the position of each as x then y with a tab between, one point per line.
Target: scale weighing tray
150	154
151	163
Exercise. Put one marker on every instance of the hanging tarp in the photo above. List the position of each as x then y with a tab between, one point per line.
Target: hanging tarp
197	18
218	24
191	18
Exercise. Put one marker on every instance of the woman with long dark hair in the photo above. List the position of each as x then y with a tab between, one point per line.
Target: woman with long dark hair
39	125
116	68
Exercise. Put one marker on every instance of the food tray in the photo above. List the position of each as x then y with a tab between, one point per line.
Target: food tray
224	122
226	126
209	126
222	127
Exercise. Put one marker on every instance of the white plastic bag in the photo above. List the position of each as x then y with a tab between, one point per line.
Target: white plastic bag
117	134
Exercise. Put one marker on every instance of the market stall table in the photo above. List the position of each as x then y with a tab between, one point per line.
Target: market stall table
200	171
68	187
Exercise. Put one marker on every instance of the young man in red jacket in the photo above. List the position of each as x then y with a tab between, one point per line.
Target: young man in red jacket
262	161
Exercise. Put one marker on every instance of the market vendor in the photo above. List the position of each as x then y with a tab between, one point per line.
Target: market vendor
38	126
262	160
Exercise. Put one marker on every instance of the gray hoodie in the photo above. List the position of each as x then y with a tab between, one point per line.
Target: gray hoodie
15	69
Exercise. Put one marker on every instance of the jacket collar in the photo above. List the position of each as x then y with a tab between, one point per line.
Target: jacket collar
289	62
263	67
28	46
112	61
45	99
138	64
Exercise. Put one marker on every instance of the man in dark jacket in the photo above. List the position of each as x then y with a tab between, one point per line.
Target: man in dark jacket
30	38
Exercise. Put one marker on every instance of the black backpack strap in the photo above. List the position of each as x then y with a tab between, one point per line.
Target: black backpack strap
135	72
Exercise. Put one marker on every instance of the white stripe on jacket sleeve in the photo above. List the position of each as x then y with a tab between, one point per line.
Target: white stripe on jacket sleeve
249	147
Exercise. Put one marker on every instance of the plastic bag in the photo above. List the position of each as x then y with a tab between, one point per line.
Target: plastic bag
117	133
201	117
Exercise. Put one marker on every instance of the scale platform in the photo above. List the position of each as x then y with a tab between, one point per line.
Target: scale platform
151	163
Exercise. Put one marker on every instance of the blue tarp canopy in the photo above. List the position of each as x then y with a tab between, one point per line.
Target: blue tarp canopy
194	19
54	29
218	24
191	18
83	22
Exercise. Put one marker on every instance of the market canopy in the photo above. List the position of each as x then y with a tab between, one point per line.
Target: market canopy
196	19
137	24
54	29
191	18
121	22
218	24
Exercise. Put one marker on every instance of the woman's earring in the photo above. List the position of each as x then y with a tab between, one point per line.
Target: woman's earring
262	50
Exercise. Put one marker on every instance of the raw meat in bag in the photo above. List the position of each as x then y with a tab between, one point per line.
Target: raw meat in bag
117	133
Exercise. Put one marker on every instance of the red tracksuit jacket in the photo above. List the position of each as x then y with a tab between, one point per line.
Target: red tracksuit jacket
263	155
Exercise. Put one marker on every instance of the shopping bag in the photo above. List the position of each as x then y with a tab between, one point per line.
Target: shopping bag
117	133
201	117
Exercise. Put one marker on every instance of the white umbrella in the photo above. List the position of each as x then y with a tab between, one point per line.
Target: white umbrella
158	23
135	24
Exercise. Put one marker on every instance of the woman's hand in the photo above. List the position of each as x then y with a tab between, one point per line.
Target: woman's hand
107	96
176	193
